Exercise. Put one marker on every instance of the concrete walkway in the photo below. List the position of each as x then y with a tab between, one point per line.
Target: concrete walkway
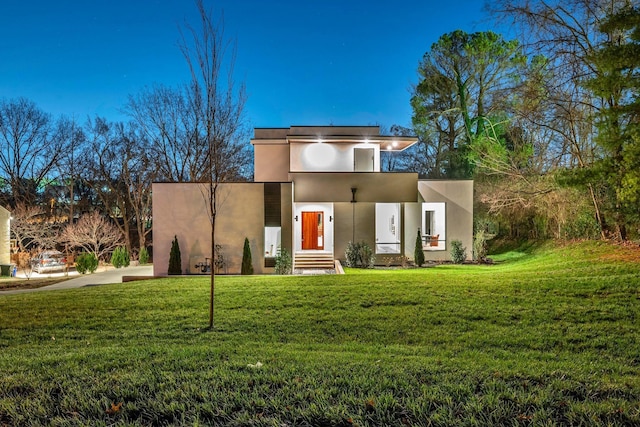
113	275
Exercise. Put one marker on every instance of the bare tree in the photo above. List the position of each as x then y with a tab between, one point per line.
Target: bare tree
31	227
218	107
29	152
119	168
93	233
167	120
68	167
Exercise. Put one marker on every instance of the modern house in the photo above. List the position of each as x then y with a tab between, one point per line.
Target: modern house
316	189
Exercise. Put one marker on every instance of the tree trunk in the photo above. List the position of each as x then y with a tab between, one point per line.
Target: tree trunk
213	271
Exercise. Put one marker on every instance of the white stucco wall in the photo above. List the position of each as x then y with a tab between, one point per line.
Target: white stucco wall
328	157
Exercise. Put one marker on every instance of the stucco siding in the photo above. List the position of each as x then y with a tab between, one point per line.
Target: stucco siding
346	230
180	210
370	187
458	198
271	163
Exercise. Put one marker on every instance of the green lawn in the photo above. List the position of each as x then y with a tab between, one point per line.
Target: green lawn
550	336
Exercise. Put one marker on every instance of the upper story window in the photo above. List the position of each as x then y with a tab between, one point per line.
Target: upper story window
364	159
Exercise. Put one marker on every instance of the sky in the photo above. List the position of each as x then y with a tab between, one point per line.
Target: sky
305	62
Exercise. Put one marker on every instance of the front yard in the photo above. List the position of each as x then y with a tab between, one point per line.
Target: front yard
544	337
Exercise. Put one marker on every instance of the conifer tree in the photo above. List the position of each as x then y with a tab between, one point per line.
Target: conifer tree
247	265
616	83
175	260
417	253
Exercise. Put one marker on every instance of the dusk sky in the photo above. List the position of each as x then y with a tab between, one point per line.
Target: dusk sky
305	62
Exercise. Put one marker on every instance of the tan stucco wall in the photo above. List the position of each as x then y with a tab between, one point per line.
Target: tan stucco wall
365	226
371	187
5	236
271	162
458	196
180	210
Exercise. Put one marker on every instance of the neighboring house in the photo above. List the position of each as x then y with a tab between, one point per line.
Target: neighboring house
5	236
316	189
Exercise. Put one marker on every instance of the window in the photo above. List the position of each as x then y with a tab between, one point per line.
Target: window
434	227
388	228
272	241
363	159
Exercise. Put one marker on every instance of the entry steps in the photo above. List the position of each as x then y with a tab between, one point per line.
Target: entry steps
309	260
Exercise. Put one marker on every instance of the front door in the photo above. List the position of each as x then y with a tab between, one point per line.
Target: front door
312	230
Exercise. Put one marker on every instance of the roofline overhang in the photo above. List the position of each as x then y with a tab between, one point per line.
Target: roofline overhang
386	143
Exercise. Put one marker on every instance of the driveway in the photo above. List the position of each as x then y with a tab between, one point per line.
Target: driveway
113	275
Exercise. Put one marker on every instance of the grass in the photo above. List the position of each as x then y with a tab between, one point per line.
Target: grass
546	336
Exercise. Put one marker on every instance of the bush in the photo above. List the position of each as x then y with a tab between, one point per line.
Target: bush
120	257
418	254
458	252
86	262
359	255
284	262
480	246
175	260
247	264
143	257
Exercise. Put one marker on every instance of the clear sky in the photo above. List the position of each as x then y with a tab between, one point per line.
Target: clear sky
304	62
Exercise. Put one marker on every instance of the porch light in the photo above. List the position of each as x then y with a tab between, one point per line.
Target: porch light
330	218
353	194
395	144
388	148
296	218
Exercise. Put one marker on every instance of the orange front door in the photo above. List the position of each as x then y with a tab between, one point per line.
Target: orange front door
312	230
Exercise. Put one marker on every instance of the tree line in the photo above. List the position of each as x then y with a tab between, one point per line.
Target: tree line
547	124
55	171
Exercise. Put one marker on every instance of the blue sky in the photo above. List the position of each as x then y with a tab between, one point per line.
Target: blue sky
305	62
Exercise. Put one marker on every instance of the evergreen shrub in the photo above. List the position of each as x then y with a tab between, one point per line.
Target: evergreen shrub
86	262
143	257
418	253
175	260
359	255
120	257
247	264
458	252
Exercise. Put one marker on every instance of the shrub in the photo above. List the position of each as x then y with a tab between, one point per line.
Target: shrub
458	252
143	257
359	255
418	254
175	260
247	264
86	262
120	257
284	262
480	246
